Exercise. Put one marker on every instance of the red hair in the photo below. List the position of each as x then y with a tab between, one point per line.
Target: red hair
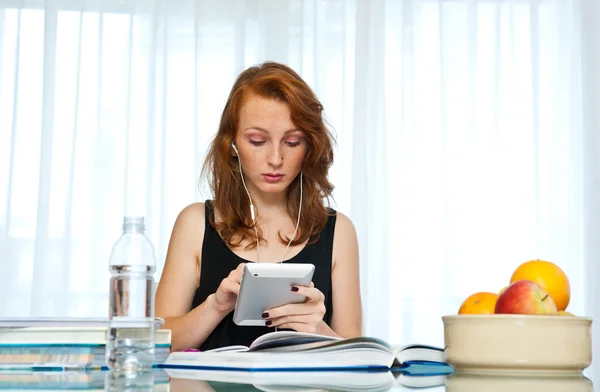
279	82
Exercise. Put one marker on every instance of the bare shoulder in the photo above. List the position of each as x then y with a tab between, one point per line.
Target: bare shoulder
181	273
188	230
192	214
343	222
345	279
344	229
345	242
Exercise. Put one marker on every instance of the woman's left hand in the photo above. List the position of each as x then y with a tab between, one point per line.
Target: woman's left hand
301	317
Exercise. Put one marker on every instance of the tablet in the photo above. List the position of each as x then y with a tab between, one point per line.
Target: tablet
268	285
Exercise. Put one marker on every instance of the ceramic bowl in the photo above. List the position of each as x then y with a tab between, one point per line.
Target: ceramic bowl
514	343
467	382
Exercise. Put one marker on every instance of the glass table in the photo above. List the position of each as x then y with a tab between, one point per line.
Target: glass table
172	380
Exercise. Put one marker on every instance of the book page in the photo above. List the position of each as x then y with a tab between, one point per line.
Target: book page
417	346
312	344
285	338
228	349
419	353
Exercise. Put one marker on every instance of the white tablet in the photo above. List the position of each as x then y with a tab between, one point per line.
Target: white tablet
268	285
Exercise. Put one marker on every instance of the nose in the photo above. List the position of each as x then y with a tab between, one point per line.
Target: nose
275	158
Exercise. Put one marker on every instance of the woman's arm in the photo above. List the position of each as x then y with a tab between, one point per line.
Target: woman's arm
179	280
346	320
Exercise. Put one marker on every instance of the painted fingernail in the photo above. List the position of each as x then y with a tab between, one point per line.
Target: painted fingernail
265	315
268	323
294	288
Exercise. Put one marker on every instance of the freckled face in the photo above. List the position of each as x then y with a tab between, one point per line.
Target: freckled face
270	146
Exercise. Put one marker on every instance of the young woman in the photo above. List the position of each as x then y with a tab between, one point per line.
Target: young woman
271	149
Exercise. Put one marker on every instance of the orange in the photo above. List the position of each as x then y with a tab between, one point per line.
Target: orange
479	303
549	276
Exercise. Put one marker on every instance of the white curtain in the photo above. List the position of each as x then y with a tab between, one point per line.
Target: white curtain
467	139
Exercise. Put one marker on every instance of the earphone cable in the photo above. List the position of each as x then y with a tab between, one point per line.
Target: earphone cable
251	205
253	215
297	222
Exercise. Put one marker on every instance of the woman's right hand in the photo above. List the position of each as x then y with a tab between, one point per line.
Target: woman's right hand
227	292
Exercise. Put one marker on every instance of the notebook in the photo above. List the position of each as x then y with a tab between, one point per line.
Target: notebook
285	350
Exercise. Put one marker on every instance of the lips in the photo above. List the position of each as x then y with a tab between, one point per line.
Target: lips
273	177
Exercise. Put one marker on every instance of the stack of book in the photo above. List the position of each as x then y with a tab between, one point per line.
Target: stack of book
23	380
62	343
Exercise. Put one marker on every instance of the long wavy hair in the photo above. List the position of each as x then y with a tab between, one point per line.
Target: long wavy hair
275	81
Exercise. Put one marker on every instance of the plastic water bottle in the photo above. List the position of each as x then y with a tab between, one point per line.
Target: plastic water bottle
130	332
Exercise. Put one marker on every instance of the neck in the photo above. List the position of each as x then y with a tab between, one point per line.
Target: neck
270	203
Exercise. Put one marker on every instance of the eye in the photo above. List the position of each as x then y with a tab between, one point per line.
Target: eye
293	143
256	142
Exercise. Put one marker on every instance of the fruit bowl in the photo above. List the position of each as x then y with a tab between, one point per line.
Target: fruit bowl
518	343
467	382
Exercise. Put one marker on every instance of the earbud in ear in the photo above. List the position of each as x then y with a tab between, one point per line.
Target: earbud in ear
234	148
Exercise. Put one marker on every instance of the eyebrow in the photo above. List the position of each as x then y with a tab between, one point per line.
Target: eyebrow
265	131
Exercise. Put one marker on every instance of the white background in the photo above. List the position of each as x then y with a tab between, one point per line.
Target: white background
467	139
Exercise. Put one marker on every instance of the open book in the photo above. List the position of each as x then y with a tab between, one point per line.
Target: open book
285	350
313	381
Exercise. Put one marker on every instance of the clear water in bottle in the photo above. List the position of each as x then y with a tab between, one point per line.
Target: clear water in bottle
130	334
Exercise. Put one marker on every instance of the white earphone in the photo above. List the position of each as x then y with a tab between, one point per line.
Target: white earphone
252	208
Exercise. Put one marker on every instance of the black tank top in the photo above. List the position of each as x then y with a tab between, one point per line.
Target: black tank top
218	261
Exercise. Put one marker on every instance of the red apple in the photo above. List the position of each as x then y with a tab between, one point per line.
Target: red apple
525	297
